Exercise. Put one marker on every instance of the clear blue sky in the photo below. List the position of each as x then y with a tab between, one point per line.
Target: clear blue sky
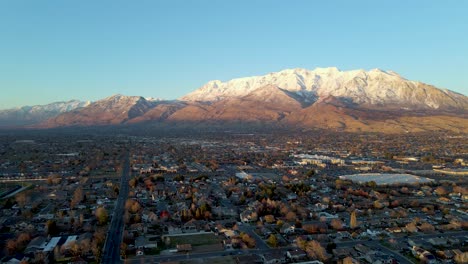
86	49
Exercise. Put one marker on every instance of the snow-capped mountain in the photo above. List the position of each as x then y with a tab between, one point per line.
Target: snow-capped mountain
112	110
153	99
326	98
367	88
27	115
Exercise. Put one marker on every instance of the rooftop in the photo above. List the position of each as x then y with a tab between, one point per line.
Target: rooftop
385	178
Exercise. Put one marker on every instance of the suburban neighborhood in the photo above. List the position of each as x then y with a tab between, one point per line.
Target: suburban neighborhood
235	198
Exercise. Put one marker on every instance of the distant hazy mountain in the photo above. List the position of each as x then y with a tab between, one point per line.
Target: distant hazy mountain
28	115
375	100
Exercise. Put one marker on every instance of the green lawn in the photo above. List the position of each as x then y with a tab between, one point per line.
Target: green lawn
195	240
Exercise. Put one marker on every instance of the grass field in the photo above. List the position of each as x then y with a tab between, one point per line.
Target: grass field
215	260
195	240
3	189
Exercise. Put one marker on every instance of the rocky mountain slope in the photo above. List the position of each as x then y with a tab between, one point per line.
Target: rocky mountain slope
374	88
112	110
375	100
28	115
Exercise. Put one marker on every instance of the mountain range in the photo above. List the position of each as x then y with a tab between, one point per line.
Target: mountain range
29	115
326	98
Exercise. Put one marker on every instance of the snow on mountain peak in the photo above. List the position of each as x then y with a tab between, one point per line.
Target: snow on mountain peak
373	87
153	99
120	98
27	115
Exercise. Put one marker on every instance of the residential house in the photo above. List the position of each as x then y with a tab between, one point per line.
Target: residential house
248	216
37	244
287	229
296	255
143	242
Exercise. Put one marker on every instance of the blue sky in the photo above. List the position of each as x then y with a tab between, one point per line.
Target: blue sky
61	50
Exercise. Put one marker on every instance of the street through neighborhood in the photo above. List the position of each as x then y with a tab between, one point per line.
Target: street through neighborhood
111	252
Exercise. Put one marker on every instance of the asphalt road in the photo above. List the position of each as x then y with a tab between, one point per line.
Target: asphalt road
259	242
111	252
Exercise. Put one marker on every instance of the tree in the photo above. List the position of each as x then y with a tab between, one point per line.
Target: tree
127	217
85	246
461	258
123	250
51	228
338	184
372	184
101	215
316	251
248	240
336	224
310	228
11	247
96	249
279	223
426	227
132	182
99	237
22	240
298	224
149	184
179	177
137	218
269	219
207	215
411	227
22	199
378	205
395	203
331	246
54	179
428	159
81	220
353	220
291	216
310	173
460	189
132	206
167	241
77	197
301	243
39	258
404	190
57	253
198	214
272	241
440	191
348	260
97	243
75	248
